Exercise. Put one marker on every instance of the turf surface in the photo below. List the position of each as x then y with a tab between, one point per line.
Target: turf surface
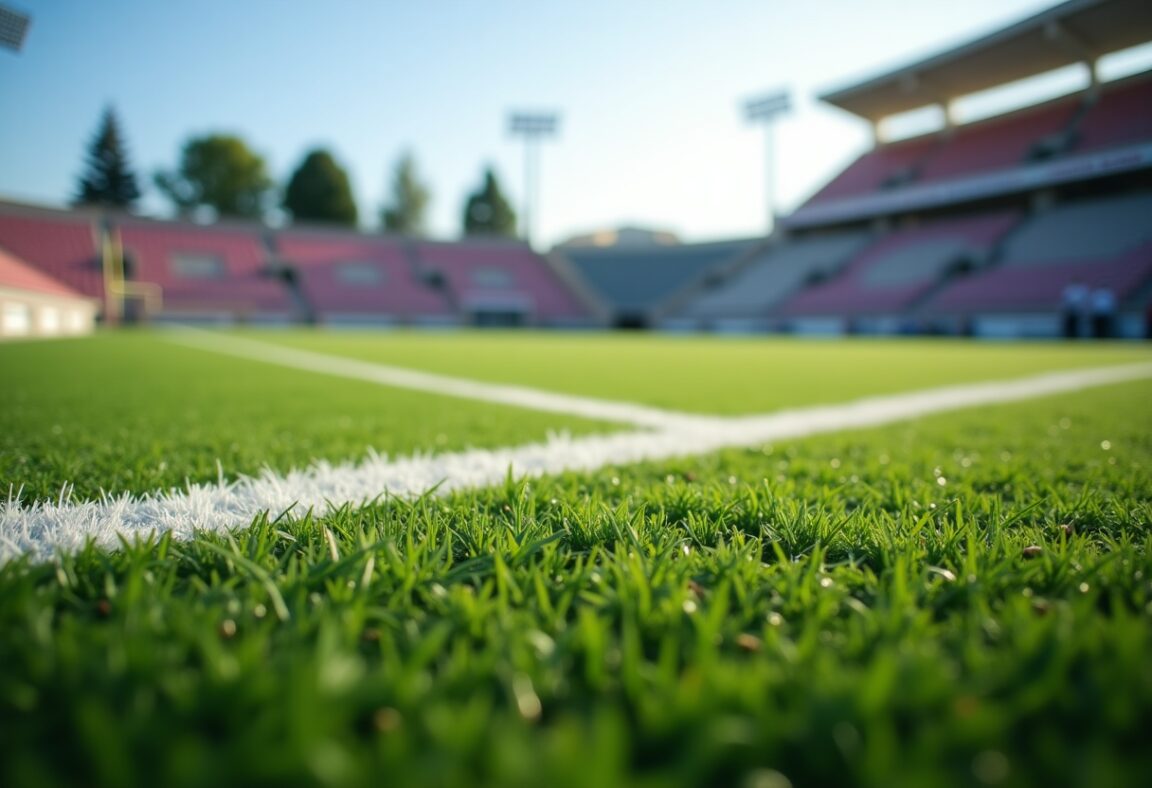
899	606
708	374
133	413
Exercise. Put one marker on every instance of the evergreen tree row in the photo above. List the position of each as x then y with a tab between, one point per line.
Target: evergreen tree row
221	174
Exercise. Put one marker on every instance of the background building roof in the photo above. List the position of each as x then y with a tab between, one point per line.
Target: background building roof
16	274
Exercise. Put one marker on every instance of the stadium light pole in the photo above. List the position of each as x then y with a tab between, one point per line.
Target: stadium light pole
766	109
13	28
532	126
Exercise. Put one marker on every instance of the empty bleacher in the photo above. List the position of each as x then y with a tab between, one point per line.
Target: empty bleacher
348	278
1100	242
62	244
886	166
894	272
212	273
999	142
636	282
1121	115
777	273
500	283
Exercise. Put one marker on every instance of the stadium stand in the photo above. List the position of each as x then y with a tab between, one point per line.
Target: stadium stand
745	300
636	282
884	167
495	282
62	244
1121	115
349	278
892	274
999	142
216	273
1075	170
1050	252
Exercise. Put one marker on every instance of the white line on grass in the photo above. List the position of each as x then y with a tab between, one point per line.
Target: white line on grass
401	377
40	530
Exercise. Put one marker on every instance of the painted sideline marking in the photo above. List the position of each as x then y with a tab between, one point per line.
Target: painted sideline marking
402	377
42	529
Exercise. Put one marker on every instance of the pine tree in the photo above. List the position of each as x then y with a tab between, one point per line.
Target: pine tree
319	191
488	211
108	178
410	198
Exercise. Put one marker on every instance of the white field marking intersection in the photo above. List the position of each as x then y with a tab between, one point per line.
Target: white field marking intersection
42	529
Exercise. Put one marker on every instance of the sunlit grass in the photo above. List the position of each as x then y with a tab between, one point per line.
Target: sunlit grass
963	600
134	413
720	375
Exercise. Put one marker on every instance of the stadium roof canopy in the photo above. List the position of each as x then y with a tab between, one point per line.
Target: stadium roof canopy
1075	31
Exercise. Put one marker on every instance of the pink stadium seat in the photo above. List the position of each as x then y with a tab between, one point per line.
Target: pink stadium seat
1009	288
205	270
1122	115
870	172
1101	242
497	275
62	245
359	277
891	274
999	142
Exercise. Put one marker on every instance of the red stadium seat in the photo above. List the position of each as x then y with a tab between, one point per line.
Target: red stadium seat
206	271
501	278
347	277
893	273
63	245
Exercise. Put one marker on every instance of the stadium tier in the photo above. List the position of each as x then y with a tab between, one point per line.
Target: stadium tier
1099	243
1000	142
350	278
1063	127
746	298
205	273
637	282
1121	115
895	272
885	166
62	244
500	283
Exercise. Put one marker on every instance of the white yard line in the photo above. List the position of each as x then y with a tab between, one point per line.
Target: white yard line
42	529
402	377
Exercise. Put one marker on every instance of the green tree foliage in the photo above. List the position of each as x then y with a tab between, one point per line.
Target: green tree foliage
218	171
319	191
487	211
407	211
108	178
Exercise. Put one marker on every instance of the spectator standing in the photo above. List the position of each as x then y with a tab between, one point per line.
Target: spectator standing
1103	312
1075	303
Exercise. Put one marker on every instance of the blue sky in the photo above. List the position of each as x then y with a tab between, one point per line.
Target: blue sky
649	92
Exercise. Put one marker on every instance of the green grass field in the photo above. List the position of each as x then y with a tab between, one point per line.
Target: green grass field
963	599
133	413
706	374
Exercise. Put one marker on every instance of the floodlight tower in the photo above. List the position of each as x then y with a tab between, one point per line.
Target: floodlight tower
532	126
13	28
766	110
